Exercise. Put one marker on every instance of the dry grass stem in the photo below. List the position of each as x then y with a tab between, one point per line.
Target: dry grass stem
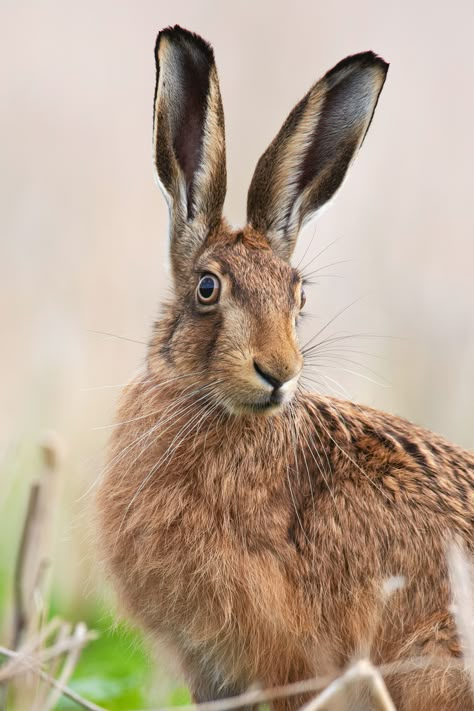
33	657
34	550
36	643
65	691
64	634
81	638
30	647
262	696
461	574
361	682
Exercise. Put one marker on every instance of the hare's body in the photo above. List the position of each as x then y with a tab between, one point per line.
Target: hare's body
255	530
259	565
259	549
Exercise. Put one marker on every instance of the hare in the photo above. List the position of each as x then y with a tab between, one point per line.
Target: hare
248	525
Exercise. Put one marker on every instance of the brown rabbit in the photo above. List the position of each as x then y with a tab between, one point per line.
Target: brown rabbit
249	525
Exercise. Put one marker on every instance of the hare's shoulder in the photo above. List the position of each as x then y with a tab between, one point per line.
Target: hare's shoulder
381	470
358	424
385	453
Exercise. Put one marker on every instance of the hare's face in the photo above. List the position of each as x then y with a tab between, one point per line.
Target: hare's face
237	297
237	325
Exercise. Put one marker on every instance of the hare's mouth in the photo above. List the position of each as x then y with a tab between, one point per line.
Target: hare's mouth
256	408
269	405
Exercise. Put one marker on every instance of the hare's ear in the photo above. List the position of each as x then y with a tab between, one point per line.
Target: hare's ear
188	139
307	161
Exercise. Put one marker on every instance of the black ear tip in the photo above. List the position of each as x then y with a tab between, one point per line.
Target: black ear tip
360	61
179	36
372	59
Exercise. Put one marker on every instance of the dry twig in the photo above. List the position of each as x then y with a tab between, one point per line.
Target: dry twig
361	678
315	685
462	585
80	637
66	691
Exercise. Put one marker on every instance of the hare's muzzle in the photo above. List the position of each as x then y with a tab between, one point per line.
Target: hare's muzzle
279	381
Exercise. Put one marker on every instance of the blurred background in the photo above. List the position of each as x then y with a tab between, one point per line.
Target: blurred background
83	245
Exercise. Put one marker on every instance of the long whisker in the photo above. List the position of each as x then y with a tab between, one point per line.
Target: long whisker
308	474
171	418
353	372
115	335
173	415
324	266
151	390
288	479
328	246
330	469
307	248
179	437
327	361
336	316
343	337
339	390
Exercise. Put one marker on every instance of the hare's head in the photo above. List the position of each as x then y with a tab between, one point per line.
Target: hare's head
231	324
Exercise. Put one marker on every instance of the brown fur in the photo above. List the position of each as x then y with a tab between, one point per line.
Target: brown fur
254	541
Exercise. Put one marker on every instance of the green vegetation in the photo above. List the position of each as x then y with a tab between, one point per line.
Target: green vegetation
115	671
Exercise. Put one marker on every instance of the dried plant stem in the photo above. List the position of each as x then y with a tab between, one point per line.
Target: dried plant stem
65	691
308	686
21	605
8	670
64	634
80	637
33	553
461	573
337	694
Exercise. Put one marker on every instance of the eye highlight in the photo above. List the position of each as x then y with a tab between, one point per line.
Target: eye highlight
208	290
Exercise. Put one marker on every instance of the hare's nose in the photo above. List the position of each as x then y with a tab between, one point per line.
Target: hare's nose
275	382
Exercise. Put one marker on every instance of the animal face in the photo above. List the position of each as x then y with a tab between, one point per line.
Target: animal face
237	321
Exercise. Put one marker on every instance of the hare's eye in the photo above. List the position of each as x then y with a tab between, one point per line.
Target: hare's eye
303	299
208	289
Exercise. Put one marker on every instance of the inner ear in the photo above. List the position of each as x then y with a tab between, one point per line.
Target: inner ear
189	118
333	143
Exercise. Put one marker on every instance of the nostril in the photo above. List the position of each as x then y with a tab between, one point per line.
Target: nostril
274	382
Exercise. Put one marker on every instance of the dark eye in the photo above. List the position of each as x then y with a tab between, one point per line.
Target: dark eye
303	299
208	289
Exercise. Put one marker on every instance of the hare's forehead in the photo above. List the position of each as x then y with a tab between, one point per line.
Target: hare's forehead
254	274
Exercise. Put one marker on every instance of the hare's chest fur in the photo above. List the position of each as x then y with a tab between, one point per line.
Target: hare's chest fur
197	536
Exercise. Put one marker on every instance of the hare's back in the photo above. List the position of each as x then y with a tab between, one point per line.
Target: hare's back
403	470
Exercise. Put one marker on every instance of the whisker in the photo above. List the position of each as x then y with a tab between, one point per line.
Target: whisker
306	250
344	337
173	416
339	313
149	414
118	457
315	360
325	266
354	372
331	244
288	479
172	447
115	335
330	469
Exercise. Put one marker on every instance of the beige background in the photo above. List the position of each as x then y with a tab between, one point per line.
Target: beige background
84	229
